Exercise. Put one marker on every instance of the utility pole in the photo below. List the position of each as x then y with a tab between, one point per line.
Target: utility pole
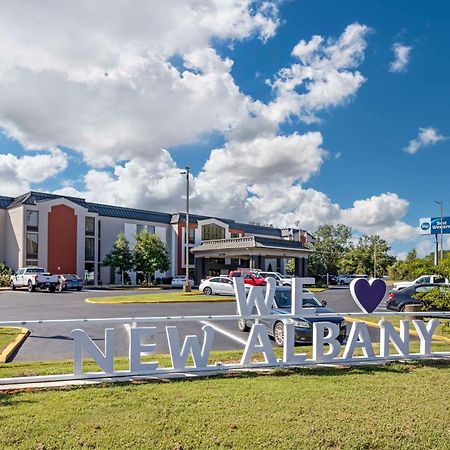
187	286
442	226
374	259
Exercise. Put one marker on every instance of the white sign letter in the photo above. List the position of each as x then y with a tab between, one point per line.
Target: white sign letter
319	340
298	295
136	348
82	341
425	333
289	357
388	334
190	346
256	297
358	338
258	342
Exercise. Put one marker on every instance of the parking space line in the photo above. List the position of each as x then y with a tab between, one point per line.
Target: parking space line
226	333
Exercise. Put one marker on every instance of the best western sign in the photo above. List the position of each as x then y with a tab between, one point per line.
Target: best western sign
432	225
257	305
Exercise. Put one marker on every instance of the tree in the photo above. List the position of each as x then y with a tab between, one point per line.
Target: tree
150	254
120	257
332	243
369	256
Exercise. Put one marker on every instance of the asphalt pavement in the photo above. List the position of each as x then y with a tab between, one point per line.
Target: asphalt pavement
54	342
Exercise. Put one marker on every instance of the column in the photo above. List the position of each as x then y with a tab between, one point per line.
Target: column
298	269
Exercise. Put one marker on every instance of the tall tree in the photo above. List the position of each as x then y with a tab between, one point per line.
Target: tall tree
150	254
369	256
332	243
120	257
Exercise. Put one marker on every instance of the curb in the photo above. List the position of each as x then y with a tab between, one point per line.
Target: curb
217	300
436	337
11	348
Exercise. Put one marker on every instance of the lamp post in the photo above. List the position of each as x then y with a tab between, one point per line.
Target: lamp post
442	226
187	286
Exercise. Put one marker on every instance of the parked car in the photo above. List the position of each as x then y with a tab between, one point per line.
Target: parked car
303	326
254	279
179	281
69	281
399	299
34	278
217	285
282	280
428	279
347	279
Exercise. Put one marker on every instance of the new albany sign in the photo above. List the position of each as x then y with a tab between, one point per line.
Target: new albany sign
256	306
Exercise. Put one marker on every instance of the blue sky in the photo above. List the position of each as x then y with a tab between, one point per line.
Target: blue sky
365	134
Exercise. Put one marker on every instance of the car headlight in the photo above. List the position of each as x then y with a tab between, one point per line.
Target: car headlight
301	324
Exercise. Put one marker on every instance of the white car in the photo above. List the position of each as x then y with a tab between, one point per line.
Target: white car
282	280
179	281
435	279
347	279
219	286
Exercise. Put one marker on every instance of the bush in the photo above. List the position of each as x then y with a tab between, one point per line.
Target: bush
5	273
437	299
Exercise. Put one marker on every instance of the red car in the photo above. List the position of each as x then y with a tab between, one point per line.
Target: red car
249	278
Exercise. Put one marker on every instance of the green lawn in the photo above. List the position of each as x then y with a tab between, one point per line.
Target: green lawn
7	336
163	297
393	406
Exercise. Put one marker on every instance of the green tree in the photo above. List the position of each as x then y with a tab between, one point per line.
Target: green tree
150	254
5	273
332	244
369	256
290	266
120	257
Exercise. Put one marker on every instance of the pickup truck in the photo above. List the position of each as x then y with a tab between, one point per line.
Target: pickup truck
34	278
423	279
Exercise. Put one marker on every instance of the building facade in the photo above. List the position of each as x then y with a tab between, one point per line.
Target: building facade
70	235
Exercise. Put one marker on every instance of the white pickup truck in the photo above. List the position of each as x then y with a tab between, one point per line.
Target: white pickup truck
423	279
34	278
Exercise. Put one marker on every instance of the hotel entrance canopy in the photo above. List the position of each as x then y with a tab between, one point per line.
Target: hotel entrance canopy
253	248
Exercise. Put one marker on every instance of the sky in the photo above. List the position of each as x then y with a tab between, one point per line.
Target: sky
316	112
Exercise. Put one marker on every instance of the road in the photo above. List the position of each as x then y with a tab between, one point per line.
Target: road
53	342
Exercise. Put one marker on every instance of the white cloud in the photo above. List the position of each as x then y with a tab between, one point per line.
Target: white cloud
16	173
426	137
402	54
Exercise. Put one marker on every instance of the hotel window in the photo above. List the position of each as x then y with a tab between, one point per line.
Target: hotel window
32	246
32	220
212	231
140	228
235	235
89	249
191	235
89	226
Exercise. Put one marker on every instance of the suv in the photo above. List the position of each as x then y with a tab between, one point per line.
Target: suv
282	280
252	278
347	279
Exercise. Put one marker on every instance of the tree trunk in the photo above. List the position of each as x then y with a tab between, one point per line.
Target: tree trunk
123	276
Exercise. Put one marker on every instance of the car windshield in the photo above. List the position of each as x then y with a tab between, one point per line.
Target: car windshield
70	276
35	270
283	300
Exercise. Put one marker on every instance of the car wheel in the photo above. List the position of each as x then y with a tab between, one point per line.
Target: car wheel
207	291
278	334
31	288
242	325
12	286
60	287
402	308
78	289
52	289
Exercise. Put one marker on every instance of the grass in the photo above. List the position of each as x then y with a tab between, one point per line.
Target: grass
7	336
163	297
395	406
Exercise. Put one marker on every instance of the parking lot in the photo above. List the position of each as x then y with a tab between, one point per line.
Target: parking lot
53	342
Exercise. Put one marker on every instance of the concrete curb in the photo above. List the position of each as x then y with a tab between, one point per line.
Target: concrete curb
11	348
206	300
436	337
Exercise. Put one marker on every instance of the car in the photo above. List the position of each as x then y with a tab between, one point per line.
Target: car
217	285
179	281
253	279
34	278
282	280
347	279
399	299
69	281
303	326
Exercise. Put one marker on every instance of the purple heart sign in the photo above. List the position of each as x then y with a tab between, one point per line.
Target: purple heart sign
368	294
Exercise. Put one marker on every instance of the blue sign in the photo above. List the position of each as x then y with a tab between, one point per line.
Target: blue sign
436	225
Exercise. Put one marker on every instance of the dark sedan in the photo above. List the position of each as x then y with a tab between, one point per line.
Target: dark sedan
69	281
399	299
303	326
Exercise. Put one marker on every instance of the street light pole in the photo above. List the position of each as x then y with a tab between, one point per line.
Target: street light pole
187	286
442	226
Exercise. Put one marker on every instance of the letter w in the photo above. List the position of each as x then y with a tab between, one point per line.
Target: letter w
256	297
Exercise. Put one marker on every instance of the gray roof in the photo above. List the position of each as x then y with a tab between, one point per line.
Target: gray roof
5	201
249	242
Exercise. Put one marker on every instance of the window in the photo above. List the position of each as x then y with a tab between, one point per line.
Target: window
423	280
32	246
31	262
140	228
425	289
191	259
32	220
89	226
89	273
191	235
151	229
212	231
89	249
235	235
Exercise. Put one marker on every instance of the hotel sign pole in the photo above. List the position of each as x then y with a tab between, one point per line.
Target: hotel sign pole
187	287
